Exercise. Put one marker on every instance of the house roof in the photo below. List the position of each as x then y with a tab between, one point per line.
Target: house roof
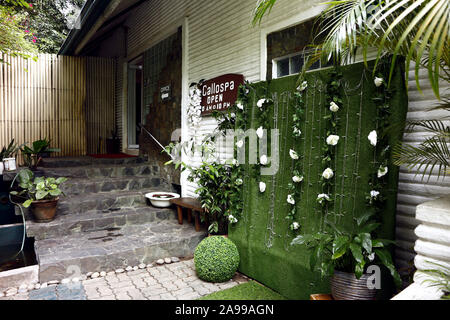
95	16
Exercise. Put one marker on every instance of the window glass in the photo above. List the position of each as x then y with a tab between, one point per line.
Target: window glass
297	64
283	68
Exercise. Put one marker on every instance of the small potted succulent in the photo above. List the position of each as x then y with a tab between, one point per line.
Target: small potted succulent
345	256
41	194
33	155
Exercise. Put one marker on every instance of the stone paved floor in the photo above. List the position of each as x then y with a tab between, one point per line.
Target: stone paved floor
177	281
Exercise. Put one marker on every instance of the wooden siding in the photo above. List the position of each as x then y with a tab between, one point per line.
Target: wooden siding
48	99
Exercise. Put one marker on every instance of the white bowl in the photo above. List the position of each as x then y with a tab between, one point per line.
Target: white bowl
161	202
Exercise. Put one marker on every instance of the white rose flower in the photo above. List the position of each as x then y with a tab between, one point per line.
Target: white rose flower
290	199
295	226
262	187
240	144
334	107
232	219
374	194
328	174
373	138
260	103
260	132
372	257
382	172
297	131
234	162
378	82
233	115
239	182
333	140
240	106
322	197
293	154
303	86
297	179
264	160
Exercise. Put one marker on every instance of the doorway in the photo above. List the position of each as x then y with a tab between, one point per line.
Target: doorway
135	101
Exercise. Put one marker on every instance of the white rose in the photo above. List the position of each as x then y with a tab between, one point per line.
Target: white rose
374	194
290	199
333	140
373	138
240	106
303	86
297	179
334	107
322	197
297	131
372	257
262	187
260	132
295	226
260	103
264	160
239	182
328	174
293	154
378	82
233	115
240	144
382	172
232	219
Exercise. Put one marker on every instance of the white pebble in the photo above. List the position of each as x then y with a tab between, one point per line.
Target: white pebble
30	287
175	260
44	285
95	275
149	266
120	271
135	268
89	274
103	274
53	282
11	292
129	269
142	266
111	273
168	260
65	281
160	261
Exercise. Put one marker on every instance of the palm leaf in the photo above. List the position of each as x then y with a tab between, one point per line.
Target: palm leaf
263	7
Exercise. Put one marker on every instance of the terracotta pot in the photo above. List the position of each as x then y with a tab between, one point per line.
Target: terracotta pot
345	286
44	211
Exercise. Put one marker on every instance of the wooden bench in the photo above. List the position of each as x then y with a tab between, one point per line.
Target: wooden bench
193	206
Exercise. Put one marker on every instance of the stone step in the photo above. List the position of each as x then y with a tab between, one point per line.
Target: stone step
65	225
88	161
79	204
108	250
79	186
102	171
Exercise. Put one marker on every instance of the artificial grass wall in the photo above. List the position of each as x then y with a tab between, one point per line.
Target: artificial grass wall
262	235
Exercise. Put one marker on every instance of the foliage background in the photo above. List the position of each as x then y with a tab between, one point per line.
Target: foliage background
263	235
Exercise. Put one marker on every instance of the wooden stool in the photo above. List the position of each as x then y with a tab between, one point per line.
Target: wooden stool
319	297
193	206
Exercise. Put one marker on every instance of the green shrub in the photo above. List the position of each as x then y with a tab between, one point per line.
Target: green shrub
216	259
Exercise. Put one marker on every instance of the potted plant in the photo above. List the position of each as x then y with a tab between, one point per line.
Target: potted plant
40	193
344	255
8	157
33	155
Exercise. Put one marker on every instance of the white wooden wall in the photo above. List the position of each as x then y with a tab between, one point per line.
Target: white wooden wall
222	40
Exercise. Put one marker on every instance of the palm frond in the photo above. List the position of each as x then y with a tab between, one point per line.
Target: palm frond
432	153
263	7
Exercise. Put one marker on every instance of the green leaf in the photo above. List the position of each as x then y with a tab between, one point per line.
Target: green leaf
340	247
359	269
27	203
357	252
386	259
41	194
366	240
55	193
364	218
369	228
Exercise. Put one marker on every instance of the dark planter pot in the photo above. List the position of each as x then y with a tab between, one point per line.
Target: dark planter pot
44	211
112	146
345	286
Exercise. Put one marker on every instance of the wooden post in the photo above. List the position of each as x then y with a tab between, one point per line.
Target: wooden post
180	214
189	215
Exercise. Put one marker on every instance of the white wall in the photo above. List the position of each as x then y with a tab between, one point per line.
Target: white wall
221	39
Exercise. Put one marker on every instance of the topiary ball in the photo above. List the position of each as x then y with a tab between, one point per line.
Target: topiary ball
216	259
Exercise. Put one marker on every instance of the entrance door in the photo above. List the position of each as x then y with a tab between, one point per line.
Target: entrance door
135	101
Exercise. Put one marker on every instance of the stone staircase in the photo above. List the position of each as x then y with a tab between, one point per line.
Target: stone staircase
105	223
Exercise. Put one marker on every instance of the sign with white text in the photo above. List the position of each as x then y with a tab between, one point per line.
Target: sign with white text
220	93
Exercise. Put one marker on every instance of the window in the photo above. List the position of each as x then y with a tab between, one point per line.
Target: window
292	64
